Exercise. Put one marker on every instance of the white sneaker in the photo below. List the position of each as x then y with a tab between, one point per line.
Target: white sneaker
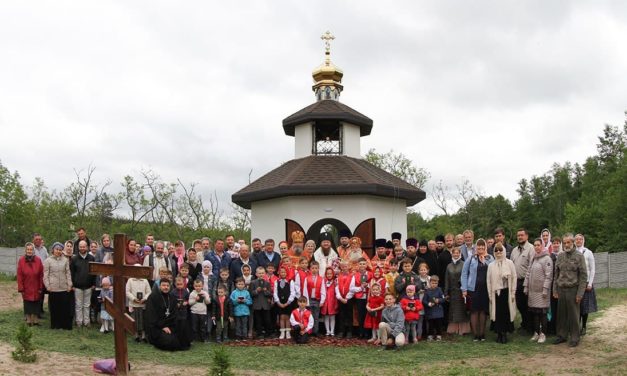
430	338
534	337
541	338
287	334
282	336
102	329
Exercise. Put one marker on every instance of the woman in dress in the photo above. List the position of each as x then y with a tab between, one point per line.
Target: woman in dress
30	283
458	322
474	286
58	282
502	293
538	282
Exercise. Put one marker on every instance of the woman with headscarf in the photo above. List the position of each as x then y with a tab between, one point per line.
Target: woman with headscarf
457	316
309	249
537	285
178	257
131	257
58	282
545	237
502	293
589	301
474	286
30	283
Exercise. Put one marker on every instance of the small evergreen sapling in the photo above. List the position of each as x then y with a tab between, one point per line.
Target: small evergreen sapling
221	365
25	351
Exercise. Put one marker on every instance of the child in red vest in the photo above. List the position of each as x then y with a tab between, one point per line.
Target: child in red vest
344	292
315	292
411	306
299	276
329	307
302	321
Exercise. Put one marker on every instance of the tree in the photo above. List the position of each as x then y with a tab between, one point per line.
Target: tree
16	211
400	166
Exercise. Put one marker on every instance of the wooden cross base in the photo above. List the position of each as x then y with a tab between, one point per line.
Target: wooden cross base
117	308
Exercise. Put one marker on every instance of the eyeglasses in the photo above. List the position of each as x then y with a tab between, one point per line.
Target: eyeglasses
498	250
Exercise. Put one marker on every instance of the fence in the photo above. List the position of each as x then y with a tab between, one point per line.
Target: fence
611	268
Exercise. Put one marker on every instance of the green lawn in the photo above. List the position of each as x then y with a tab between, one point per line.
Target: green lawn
292	359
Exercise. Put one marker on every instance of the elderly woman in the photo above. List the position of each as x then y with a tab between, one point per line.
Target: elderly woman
309	249
58	282
537	285
475	287
30	283
457	316
502	293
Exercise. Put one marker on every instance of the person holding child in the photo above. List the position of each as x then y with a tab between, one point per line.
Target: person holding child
302	321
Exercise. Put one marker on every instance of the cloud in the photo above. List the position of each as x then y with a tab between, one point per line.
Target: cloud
491	91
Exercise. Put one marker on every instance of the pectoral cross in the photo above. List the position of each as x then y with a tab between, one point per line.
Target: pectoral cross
116	308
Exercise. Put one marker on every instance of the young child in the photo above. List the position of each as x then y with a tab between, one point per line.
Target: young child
164	273
315	293
222	314
224	280
181	294
362	282
240	297
274	310
379	279
286	262
433	299
302	321
390	277
299	276
105	292
392	325
406	277
184	273
247	274
422	286
344	292
198	301
411	306
284	294
329	307
208	286
137	292
262	297
374	307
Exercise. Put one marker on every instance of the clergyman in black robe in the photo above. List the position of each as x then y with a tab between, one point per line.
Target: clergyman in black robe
160	321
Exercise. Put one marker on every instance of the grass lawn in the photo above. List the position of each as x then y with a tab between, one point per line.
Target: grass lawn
292	359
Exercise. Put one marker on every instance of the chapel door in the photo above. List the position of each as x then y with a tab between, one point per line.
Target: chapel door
291	226
366	232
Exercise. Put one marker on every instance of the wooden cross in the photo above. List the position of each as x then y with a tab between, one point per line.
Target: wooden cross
116	308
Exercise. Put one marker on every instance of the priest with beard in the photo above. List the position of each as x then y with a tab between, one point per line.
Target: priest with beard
344	248
381	258
296	250
160	321
326	255
412	249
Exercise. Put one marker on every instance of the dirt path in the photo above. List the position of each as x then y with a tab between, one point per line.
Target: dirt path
9	297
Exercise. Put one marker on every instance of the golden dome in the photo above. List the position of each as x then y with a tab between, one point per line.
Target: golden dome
327	77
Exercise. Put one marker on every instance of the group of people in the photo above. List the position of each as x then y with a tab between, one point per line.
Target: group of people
392	295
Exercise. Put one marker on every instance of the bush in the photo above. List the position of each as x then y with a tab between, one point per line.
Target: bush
221	365
25	351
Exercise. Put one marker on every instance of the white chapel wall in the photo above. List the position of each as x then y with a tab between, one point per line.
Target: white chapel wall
352	145
268	216
302	140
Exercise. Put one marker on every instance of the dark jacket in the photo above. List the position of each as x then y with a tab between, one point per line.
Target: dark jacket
217	263
78	241
262	260
437	310
236	267
79	268
228	309
261	299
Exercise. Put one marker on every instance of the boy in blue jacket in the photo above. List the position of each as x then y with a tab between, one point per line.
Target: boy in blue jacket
240	297
434	311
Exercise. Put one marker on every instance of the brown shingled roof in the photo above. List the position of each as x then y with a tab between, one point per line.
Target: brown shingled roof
327	175
327	110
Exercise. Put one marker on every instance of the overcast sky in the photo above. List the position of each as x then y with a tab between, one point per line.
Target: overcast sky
493	91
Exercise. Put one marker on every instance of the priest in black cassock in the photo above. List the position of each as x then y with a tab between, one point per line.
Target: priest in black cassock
160	321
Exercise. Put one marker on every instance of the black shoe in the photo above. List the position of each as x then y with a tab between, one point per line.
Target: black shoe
499	338
583	331
349	335
573	344
559	340
138	340
504	338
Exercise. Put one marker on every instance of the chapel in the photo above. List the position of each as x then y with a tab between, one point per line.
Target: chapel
328	186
